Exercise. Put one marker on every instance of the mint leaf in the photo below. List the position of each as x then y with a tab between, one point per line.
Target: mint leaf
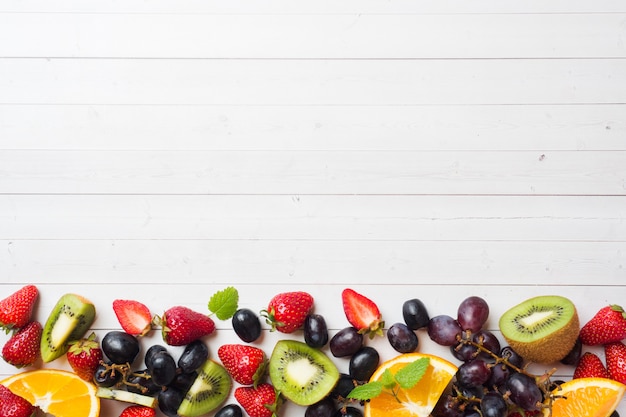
224	303
387	379
366	391
411	374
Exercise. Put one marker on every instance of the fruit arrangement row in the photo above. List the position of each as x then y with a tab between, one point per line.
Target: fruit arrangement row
491	380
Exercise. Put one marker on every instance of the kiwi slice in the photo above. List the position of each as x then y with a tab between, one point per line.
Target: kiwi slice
69	320
303	374
210	389
541	329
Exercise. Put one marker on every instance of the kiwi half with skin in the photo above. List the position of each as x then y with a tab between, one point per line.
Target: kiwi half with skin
541	329
303	374
210	389
69	320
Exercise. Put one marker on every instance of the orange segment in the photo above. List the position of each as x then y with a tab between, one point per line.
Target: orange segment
56	392
418	401
587	397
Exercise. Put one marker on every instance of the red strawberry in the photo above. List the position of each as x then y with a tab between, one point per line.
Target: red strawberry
362	313
261	401
615	354
607	326
12	405
246	364
181	326
134	316
138	411
84	356
287	311
23	348
16	310
590	365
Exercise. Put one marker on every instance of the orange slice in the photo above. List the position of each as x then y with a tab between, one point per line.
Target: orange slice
418	401
586	397
56	392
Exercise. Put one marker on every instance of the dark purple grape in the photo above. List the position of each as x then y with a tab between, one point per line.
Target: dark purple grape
169	400
194	355
323	408
343	387
152	350
363	363
106	377
141	383
120	347
493	405
473	373
348	412
472	313
614	414
346	342
574	355
415	314
447	406
444	330
524	391
246	325
500	373
471	413
401	338
512	356
464	351
163	369
230	410
487	340
315	331
183	382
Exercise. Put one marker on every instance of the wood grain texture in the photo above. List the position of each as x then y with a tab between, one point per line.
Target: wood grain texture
439	149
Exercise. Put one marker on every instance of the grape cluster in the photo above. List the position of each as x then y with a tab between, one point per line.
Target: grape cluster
162	376
492	380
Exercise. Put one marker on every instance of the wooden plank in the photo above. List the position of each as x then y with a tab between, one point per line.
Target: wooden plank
293	262
413	128
298	36
306	82
315	172
316	217
321	6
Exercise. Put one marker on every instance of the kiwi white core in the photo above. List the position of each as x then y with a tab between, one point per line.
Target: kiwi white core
62	329
301	371
536	318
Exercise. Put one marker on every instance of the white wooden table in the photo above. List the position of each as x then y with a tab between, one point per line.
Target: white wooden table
164	150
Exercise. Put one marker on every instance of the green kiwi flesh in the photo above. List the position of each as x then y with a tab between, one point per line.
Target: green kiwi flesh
69	320
542	329
303	374
210	389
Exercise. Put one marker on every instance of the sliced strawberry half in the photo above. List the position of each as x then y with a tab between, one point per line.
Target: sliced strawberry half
362	313
134	316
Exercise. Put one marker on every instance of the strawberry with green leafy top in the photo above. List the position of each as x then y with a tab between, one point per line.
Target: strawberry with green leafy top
12	405
133	316
287	311
607	326
260	401
362	313
615	354
16	310
23	348
181	325
245	364
84	356
590	366
138	411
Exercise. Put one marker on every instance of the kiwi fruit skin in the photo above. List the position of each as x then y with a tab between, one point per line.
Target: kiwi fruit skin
285	354
209	390
69	320
547	345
